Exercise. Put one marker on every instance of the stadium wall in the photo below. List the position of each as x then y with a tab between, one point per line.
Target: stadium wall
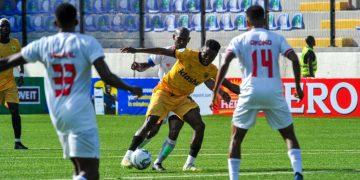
330	65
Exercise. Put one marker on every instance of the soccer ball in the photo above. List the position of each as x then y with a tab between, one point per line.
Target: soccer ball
141	159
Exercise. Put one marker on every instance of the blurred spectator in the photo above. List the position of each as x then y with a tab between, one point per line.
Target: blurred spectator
308	61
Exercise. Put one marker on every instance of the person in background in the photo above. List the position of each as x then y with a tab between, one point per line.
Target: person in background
308	62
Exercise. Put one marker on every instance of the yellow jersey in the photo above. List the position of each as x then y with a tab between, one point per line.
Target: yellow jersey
187	73
7	79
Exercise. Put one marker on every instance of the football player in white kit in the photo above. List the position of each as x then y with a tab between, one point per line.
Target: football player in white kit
68	57
258	52
181	38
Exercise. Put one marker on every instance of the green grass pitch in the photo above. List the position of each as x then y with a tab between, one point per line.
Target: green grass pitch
331	150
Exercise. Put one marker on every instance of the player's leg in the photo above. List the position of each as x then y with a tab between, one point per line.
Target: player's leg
175	125
153	131
193	118
138	138
88	168
280	118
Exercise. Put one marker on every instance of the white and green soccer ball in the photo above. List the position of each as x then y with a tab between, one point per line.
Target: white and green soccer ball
141	159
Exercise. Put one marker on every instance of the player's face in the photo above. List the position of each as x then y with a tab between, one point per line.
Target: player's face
4	28
181	42
208	55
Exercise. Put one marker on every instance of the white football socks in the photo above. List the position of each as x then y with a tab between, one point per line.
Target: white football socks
190	160
79	177
295	159
17	140
234	168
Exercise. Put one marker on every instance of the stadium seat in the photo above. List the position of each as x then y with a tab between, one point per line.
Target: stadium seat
240	22
45	6
209	6
297	21
8	7
75	2
152	6
183	21
32	6
117	23
49	24
220	6
131	23
147	24
272	22
169	22
322	42
233	6
94	6
103	23
35	23
323	6
196	22
341	23
55	4
165	6
212	22
123	6
192	6
157	23
178	6
90	23
226	23
275	5
244	4
111	6
259	3
283	22
134	6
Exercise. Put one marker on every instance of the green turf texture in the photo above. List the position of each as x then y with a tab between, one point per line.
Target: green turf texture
331	150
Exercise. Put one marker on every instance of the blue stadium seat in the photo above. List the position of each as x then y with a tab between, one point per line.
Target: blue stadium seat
297	21
33	7
90	23
157	23
283	22
240	22
103	23
18	7
55	4
170	23
132	23
147	22
111	6
275	5
178	6
134	6
49	24
259	3
123	6
152	6
220	6
35	23
8	7
183	21
94	6
233	6
245	4
196	22
226	23
45	6
272	22
75	3
165	6
193	6
209	6
117	23
212	22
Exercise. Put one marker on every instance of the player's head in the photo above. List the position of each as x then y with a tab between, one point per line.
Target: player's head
4	27
181	37
209	52
66	16
255	16
310	41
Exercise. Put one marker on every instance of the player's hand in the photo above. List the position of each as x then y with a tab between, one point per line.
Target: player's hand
299	92
137	67
213	102
20	81
136	91
128	50
225	96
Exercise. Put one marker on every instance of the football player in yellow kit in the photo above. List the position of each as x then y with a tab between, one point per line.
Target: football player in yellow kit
172	94
8	89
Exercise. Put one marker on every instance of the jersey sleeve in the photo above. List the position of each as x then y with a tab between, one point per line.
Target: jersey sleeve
32	52
233	47
93	50
214	72
285	48
154	60
186	54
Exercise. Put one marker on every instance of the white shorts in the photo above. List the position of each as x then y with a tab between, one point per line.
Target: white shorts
278	118
84	144
167	117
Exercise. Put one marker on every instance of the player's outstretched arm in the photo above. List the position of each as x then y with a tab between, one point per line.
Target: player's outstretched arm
210	83
231	86
11	61
158	51
296	68
140	67
109	78
229	56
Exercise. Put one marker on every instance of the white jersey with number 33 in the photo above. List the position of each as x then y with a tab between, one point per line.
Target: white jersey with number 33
258	52
68	58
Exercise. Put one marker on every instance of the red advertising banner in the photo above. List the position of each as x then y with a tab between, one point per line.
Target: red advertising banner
323	98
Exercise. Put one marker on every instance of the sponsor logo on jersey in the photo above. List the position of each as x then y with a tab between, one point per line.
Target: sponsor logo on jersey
188	78
260	43
66	55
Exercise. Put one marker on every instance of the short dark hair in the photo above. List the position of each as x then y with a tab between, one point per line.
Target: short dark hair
255	13
182	31
213	45
65	14
309	39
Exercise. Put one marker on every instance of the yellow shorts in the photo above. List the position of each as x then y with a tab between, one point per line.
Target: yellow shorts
162	102
9	95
